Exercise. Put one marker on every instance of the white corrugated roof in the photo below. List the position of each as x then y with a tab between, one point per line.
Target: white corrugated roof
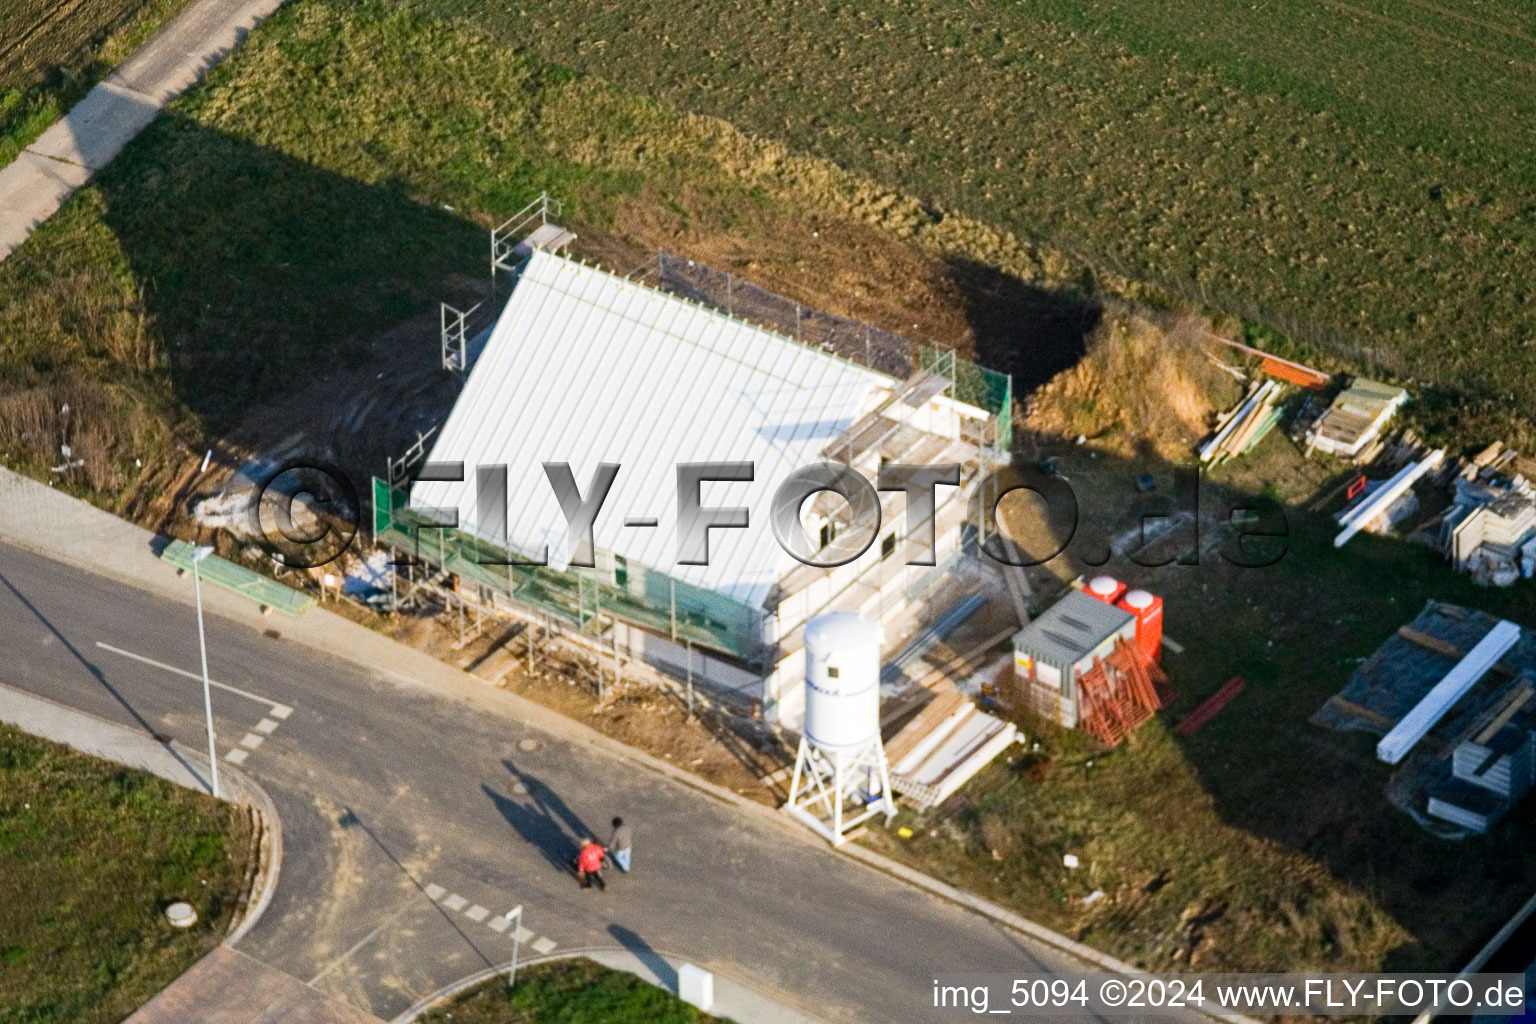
585	367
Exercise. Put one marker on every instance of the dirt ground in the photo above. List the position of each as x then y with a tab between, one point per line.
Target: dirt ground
719	743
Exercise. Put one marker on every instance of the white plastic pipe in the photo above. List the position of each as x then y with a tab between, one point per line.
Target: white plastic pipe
1394	746
1385	495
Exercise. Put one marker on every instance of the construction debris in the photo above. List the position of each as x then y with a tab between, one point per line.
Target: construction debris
1490	530
1451	695
1241	429
1386	503
1355	420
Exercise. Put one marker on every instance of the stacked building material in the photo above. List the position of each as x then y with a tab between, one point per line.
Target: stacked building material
1490	530
1275	366
1240	430
1492	769
943	746
1374	510
1352	425
235	577
1453	694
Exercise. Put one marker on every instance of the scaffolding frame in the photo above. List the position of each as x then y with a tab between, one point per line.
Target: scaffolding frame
683	613
453	333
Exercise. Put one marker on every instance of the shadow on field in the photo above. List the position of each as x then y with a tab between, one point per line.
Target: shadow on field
262	273
1020	328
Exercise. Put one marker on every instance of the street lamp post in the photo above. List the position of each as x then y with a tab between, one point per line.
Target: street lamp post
198	554
515	920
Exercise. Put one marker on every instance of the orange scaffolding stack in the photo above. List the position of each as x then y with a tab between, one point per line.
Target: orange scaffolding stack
1119	694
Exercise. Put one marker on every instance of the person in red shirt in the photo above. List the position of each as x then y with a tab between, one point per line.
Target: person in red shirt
589	864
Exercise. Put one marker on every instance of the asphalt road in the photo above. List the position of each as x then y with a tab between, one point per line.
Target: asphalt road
394	799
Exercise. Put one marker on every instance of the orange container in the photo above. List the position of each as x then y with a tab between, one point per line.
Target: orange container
1148	609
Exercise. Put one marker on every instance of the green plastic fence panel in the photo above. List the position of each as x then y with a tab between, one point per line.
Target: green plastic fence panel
239	579
704	618
975	385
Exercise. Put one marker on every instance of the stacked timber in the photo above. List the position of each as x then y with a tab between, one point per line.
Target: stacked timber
1241	429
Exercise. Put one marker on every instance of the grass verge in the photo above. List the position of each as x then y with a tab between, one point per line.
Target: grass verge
567	991
91	853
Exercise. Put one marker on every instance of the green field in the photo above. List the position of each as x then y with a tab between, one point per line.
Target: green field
90	855
1358	172
53	51
568	992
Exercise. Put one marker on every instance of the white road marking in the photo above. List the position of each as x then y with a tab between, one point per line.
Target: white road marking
477	913
356	946
251	741
436	892
524	934
278	710
266	725
498	924
455	902
1173	645
543	944
237	756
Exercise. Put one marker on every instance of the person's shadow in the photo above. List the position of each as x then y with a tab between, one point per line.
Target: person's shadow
541	818
642	950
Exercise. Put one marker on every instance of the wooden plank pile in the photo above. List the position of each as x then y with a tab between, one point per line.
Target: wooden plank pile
1241	429
1119	694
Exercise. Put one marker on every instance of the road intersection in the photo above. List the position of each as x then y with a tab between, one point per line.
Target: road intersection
407	813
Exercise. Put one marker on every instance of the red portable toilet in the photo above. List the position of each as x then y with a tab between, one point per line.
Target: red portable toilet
1148	609
1105	588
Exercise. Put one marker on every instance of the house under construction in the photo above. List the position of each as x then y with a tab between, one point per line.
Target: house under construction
584	366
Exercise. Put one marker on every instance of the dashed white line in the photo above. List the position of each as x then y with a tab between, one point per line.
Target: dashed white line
281	711
497	923
251	741
237	756
266	725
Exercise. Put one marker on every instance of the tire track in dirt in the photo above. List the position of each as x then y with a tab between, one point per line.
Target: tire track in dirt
1491	26
1444	40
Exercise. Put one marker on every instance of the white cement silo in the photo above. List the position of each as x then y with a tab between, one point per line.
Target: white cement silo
841	777
842	681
